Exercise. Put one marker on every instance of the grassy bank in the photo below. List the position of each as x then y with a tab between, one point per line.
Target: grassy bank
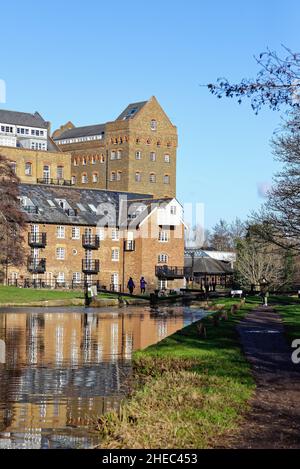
189	390
27	295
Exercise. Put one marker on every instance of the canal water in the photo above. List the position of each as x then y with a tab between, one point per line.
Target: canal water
61	368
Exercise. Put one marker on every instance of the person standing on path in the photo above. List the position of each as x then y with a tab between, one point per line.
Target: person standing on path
143	284
130	285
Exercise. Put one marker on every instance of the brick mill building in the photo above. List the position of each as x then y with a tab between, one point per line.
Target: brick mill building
99	200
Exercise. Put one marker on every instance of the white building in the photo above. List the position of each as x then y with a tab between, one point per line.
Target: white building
23	130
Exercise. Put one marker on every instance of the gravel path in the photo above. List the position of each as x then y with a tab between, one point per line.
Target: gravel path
274	418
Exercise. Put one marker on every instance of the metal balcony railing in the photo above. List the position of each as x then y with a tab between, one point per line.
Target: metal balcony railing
90	267
36	266
90	241
169	272
37	240
57	182
129	245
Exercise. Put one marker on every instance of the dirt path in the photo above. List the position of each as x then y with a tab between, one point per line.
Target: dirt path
274	419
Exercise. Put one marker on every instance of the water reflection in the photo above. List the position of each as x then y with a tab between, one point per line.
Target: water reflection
59	369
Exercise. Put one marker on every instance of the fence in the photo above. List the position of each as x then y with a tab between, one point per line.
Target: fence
70	284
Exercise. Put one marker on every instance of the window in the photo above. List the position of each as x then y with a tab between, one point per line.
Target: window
76	277
138	177
102	159
113	176
51	203
100	233
95	177
119	175
115	280
153	124
115	235
73	180
113	155
115	254
163	236
138	155
167	158
60	232
148	141
119	154
60	172
173	210
75	232
152	177
46	173
75	162
13	166
28	169
152	156
74	252
162	258
61	277
93	160
158	143
84	161
60	253
166	179
84	178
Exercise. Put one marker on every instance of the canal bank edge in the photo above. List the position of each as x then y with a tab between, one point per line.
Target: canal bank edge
190	390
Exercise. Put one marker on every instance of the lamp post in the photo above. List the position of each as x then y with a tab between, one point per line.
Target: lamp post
264	290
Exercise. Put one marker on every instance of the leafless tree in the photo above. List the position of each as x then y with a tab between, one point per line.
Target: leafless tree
277	83
257	260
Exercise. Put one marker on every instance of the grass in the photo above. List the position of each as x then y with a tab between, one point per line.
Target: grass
27	295
188	391
289	309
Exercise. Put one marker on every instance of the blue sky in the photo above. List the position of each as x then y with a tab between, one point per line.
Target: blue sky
84	61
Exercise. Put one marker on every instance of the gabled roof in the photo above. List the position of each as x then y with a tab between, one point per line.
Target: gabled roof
22	118
207	265
131	110
86	131
40	194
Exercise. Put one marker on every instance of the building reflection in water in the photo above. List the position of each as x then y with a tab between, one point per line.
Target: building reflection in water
60	370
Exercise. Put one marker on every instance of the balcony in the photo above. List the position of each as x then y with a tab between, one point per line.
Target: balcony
36	266
30	209
37	240
90	242
167	272
56	182
129	245
90	267
71	212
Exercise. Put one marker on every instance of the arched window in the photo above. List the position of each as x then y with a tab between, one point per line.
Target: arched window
148	141
119	175
46	173
138	177
167	158
158	143
28	168
152	177
93	160
153	124
60	172
75	162
119	154
166	179
152	156
84	161
84	178
95	177
73	180
113	155
102	158
113	176
138	155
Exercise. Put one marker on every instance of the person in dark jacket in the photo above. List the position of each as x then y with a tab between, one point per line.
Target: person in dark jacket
130	285
143	284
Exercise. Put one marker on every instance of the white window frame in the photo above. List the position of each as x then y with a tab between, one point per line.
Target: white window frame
75	232
60	232
60	253
115	254
163	236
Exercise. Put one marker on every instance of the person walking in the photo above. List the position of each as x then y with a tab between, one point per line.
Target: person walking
143	284
130	285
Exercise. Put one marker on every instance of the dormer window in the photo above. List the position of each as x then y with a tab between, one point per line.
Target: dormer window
153	124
